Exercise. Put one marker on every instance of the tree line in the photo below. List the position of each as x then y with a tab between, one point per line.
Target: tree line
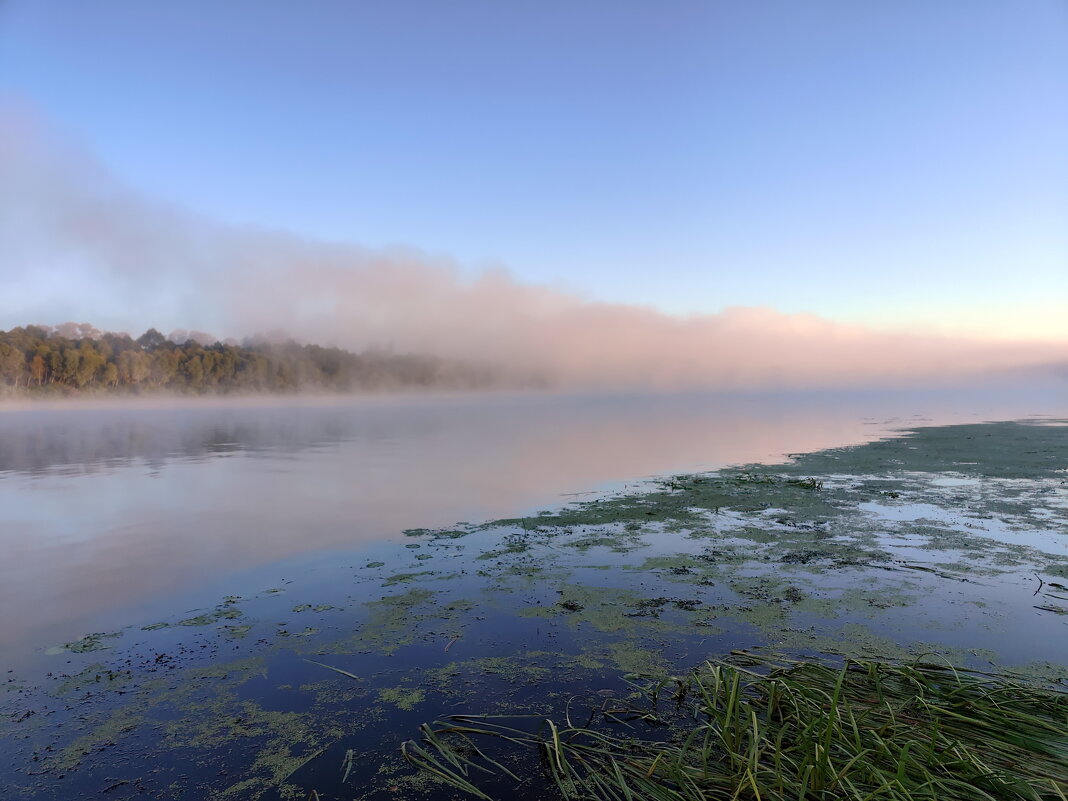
76	358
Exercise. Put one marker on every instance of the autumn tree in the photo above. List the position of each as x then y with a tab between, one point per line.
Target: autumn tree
12	364
76	357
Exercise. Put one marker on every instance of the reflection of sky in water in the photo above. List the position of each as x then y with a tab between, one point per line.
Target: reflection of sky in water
951	512
106	511
955	482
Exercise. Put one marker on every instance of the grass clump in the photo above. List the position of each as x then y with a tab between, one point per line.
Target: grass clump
796	731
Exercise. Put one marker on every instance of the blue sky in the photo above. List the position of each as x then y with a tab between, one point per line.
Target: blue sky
899	164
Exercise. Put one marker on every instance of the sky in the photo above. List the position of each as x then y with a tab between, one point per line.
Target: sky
900	166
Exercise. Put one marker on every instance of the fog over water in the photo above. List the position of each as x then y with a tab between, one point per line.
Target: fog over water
111	514
80	245
369	373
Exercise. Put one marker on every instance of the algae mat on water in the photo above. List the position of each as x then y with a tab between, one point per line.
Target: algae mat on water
948	541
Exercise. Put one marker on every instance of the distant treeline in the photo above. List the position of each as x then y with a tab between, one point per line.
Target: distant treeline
76	358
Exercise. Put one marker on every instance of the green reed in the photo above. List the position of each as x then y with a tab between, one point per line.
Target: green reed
787	731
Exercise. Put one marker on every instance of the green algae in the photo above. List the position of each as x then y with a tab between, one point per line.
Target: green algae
208	618
224	611
628	658
436	534
236	671
676	564
279	742
88	643
808	504
102	736
313	607
406	698
628	540
779	557
605	609
404	578
395	621
519	669
306	632
335	692
815	528
395	776
94	678
1042	672
1024	450
514	546
211	716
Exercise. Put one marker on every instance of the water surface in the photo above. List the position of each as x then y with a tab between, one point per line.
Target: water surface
262	600
112	514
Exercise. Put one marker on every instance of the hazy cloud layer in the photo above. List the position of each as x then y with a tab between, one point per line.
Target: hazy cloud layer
76	244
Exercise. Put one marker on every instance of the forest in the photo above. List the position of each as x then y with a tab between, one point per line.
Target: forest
77	359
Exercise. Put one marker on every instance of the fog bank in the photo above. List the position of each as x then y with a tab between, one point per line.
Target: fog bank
79	245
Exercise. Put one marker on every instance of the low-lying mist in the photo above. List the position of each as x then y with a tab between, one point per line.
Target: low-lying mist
79	245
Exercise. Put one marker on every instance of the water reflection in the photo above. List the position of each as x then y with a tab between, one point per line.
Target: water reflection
106	511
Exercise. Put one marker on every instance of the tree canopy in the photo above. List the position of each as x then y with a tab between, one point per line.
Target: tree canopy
76	358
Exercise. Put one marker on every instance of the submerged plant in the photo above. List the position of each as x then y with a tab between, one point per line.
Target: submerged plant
797	730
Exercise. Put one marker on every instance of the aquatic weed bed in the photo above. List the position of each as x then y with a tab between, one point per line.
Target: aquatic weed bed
948	541
786	732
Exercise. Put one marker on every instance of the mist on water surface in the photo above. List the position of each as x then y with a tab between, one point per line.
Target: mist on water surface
116	512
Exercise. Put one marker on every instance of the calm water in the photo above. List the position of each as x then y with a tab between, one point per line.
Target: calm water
111	516
244	617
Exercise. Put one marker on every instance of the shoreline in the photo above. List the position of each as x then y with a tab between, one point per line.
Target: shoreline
1048	389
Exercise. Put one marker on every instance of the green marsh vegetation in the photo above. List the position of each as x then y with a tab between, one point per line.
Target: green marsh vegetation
807	729
786	732
944	544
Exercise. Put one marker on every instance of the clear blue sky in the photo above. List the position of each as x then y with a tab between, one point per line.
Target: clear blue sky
888	162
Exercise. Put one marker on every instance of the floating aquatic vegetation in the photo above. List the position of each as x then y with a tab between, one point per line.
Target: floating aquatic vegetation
90	642
313	607
864	553
406	698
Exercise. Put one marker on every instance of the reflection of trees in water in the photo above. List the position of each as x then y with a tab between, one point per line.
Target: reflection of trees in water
634	434
86	441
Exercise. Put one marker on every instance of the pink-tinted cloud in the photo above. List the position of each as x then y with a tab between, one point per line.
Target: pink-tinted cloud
79	245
